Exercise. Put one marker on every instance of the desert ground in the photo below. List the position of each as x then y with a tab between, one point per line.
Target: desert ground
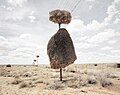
82	79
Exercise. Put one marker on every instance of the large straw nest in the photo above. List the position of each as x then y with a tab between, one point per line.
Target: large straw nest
60	50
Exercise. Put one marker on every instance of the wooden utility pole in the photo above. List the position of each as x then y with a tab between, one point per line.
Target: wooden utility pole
60	67
59	25
37	59
60	17
60	74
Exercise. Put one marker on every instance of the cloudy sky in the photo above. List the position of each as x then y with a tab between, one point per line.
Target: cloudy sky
25	30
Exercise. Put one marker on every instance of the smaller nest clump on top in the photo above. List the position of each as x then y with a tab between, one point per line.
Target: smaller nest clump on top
60	16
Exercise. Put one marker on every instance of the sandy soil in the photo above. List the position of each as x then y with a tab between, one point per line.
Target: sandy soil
103	79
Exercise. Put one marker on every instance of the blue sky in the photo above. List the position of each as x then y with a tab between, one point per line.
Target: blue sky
25	30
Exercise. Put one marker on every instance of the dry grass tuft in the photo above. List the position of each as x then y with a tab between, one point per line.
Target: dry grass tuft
27	74
17	80
56	86
92	80
103	79
105	83
110	75
4	72
26	84
39	81
76	82
71	68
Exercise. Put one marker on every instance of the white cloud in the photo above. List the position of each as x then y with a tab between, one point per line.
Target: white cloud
32	18
91	37
6	45
76	25
106	48
117	21
83	45
25	36
112	41
116	1
81	39
91	0
96	57
22	52
118	34
3	6
10	8
94	26
115	51
103	36
113	12
90	7
2	39
20	47
17	3
17	15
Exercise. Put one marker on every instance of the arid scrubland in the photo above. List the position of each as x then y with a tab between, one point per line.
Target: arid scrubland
100	79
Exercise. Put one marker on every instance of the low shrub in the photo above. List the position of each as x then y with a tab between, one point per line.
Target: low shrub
16	81
26	84
56	86
105	83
